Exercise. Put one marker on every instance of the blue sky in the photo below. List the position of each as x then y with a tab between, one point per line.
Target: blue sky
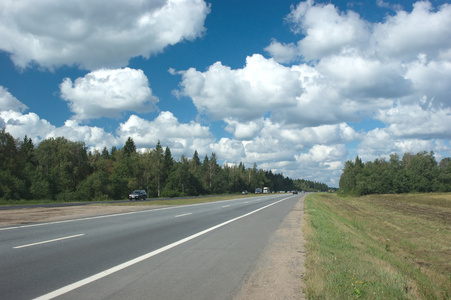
297	87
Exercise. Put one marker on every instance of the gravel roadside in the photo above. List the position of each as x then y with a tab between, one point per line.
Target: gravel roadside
21	216
278	272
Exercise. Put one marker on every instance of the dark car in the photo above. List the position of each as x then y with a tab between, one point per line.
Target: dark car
295	192
138	195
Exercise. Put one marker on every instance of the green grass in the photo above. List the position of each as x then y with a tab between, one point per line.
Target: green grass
378	247
27	202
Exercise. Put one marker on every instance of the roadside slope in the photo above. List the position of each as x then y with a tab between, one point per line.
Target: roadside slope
278	272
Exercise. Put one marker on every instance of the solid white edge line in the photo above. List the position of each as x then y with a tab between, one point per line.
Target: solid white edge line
115	215
87	218
129	263
187	214
49	241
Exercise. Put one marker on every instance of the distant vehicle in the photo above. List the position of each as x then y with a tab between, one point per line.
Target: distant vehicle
266	190
295	192
258	190
244	192
138	195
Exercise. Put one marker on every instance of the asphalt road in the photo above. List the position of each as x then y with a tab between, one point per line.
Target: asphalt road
197	252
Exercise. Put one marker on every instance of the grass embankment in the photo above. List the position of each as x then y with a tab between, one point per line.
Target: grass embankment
378	247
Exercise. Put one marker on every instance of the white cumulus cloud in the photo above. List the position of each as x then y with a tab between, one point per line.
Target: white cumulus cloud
288	148
327	31
380	143
246	130
415	121
20	125
325	155
431	78
182	138
229	150
94	34
9	102
245	94
107	93
94	137
361	78
405	35
282	53
322	163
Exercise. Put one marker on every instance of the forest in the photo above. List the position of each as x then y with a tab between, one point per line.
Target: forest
411	173
62	170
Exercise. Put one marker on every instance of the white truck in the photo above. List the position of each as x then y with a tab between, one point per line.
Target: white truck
266	190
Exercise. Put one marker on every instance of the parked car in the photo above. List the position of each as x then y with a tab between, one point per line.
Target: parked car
295	192
244	192
138	195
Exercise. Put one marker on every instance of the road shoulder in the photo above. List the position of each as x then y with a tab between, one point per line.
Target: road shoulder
278	272
22	216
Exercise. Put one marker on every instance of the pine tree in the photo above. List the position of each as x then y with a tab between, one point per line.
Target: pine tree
129	146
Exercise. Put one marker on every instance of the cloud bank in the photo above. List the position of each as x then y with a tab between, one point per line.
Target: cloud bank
396	72
95	34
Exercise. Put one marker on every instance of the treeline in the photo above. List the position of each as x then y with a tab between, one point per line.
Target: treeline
413	173
63	170
311	186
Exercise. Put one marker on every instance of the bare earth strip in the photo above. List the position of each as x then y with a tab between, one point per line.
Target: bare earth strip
22	216
277	274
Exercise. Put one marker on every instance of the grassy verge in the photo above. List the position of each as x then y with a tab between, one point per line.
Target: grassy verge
378	247
26	202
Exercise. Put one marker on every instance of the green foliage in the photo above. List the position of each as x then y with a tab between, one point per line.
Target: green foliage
444	176
129	147
16	166
414	173
182	182
62	170
62	164
310	186
11	187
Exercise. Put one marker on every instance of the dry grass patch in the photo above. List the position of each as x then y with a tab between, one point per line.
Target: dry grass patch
379	247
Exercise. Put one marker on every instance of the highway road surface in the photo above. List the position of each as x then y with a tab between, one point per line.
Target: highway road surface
201	251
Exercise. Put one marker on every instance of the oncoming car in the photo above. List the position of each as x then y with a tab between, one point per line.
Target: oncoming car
138	195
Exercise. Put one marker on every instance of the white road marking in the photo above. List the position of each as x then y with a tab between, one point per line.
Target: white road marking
87	218
225	206
187	214
50	241
115	215
129	263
